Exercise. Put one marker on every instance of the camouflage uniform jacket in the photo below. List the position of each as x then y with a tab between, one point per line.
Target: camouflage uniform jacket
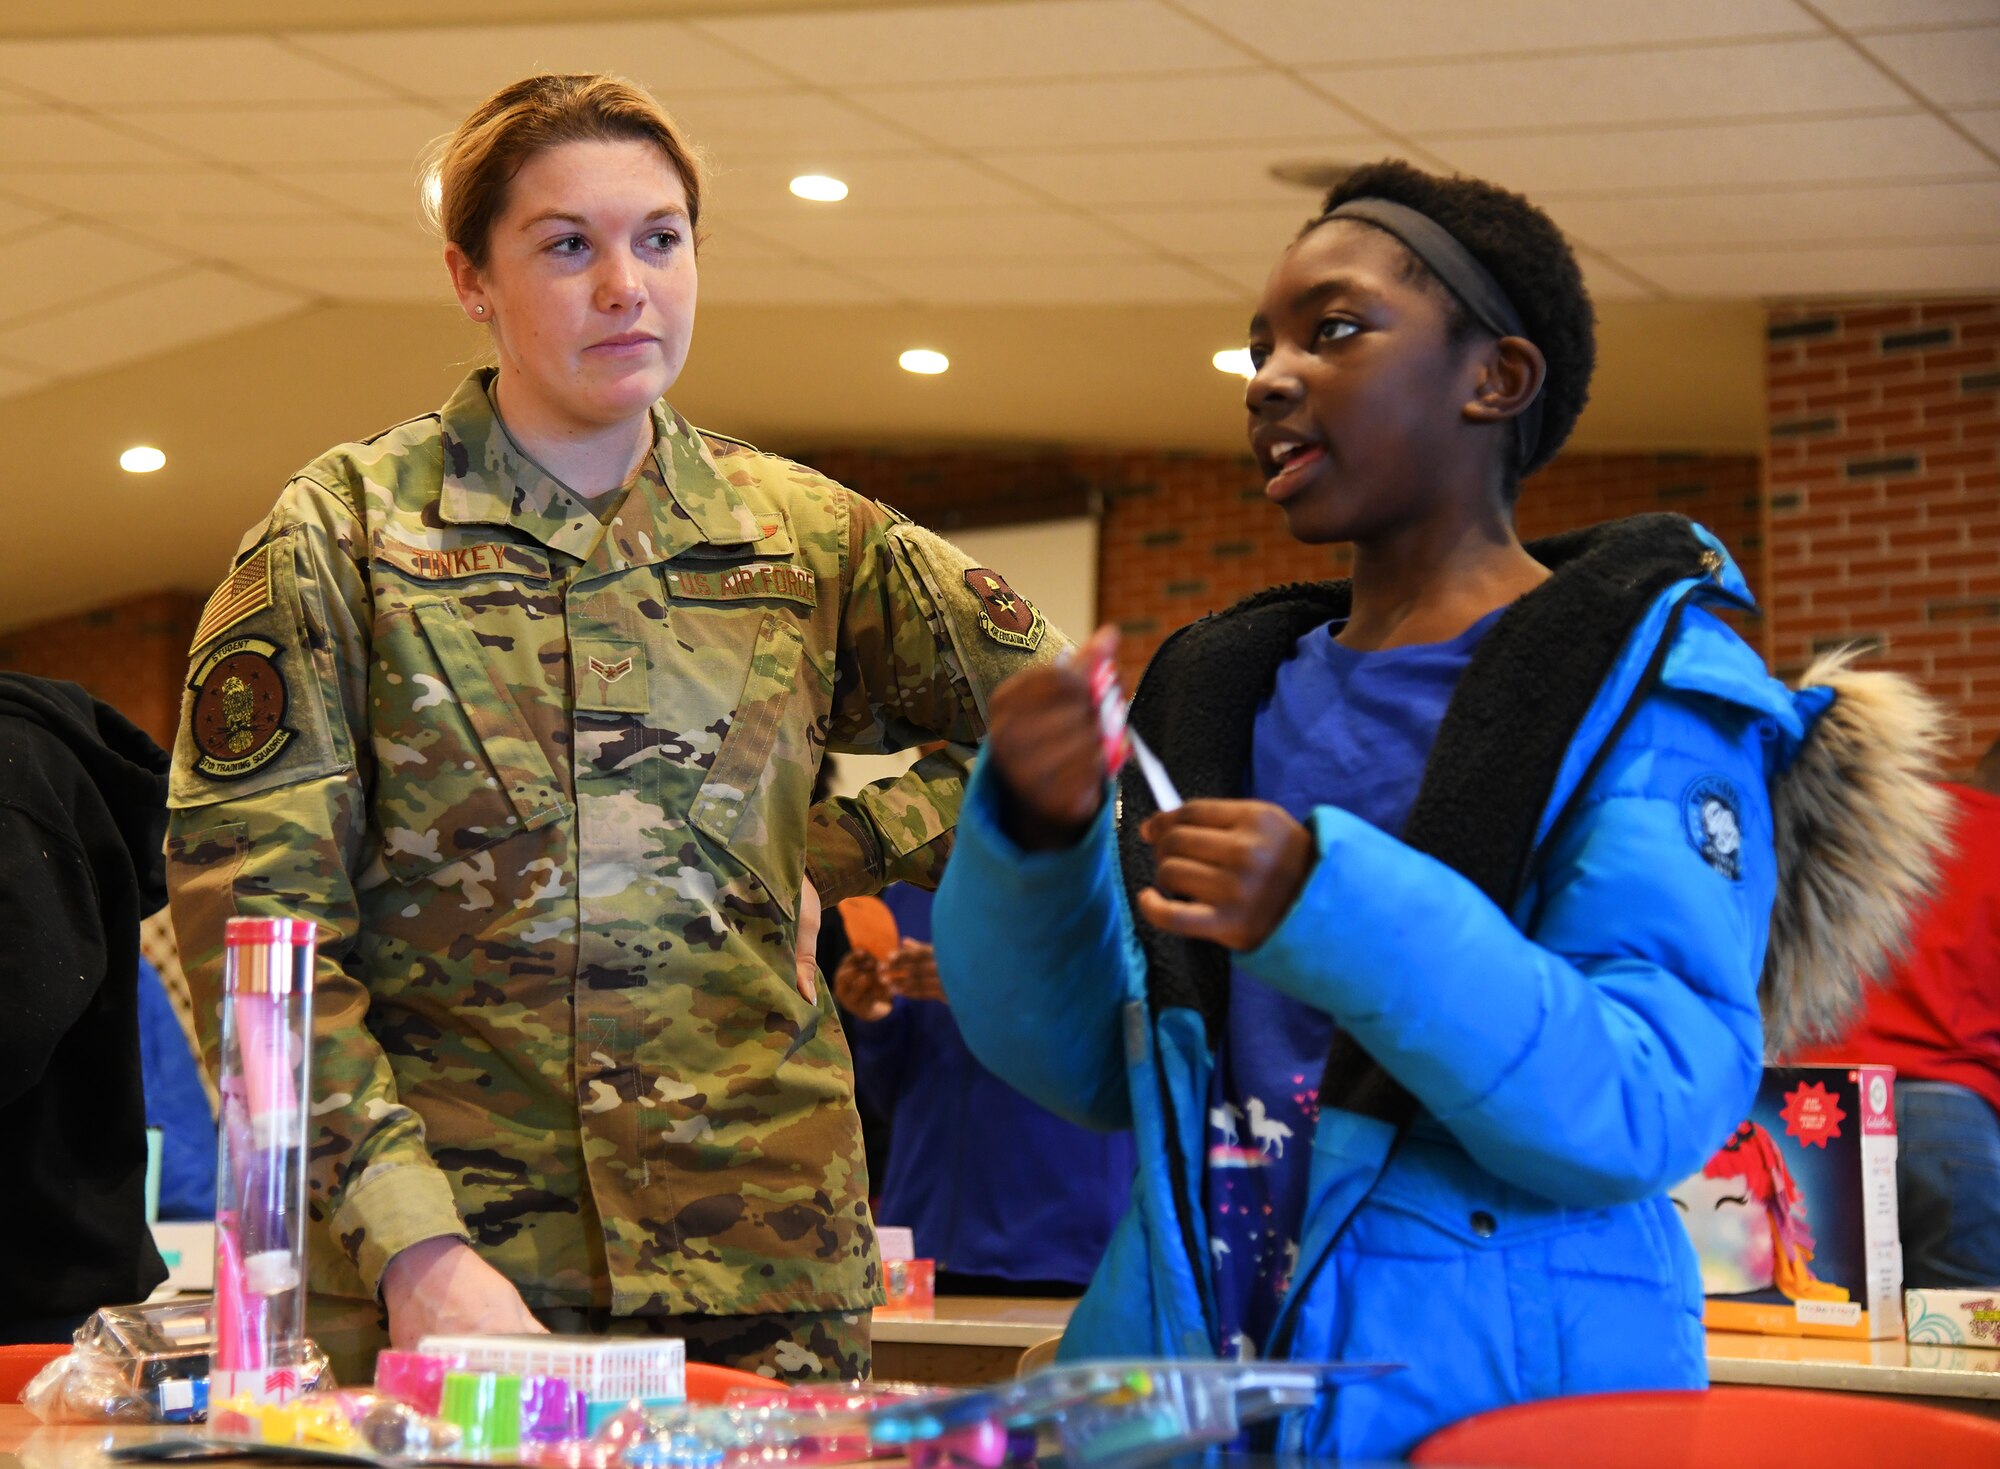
543	780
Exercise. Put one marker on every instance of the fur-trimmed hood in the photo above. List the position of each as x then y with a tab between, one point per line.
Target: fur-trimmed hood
1856	809
1859	820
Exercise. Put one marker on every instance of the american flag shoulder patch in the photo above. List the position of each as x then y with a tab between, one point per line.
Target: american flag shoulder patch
246	592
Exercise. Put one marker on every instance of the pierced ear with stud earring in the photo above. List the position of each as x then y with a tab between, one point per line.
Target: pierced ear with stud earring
479	311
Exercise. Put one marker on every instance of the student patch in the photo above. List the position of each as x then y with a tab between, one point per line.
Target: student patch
237	721
1005	615
1713	815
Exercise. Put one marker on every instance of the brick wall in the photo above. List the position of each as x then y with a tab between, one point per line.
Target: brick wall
132	655
1885	494
1185	534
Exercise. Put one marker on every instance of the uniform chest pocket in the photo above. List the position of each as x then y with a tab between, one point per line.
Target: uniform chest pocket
456	766
754	799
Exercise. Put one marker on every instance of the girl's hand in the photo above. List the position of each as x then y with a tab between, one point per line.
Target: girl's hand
1043	740
1228	871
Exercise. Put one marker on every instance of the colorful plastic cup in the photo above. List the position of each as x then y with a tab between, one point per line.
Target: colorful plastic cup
485	1407
413	1378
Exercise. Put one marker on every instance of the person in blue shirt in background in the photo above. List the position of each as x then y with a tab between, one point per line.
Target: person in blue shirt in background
1008	1198
176	1104
1450	965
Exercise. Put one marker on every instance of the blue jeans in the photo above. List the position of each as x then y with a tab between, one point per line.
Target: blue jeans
1947	1186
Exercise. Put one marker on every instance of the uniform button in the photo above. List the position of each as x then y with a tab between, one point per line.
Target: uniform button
1483	1224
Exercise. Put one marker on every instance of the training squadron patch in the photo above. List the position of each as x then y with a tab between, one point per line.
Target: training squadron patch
237	720
1712	812
1005	615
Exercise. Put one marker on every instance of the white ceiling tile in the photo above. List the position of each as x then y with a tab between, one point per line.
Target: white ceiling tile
1957	68
756	184
1147	110
958	43
15	217
1314	32
740	124
112	72
1601	279
256	238
385	190
857	235
129	195
15	379
1884	212
1869	14
1915	145
735	238
414	281
793	283
1053	283
467	64
53	267
1854	271
1983	124
46	139
1248	270
1211	229
1770	78
168	312
389	133
1606	282
1191	175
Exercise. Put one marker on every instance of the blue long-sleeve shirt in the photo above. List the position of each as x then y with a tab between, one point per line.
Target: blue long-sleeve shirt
989	1182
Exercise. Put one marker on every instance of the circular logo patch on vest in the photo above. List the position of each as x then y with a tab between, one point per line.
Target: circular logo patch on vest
1712	812
1004	614
237	721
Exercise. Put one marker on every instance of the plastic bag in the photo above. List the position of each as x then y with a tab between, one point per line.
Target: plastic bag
141	1364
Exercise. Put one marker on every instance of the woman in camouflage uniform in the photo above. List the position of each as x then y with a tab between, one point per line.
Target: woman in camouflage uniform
522	702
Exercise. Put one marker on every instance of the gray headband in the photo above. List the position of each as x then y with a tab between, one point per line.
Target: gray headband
1463	276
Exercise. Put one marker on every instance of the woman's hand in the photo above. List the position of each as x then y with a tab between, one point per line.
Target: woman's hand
861	987
441	1287
1227	870
1043	739
805	962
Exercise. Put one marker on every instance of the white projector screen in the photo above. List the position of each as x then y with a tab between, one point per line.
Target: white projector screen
1053	563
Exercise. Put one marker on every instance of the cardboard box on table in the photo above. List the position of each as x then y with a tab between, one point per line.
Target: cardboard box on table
1794	1218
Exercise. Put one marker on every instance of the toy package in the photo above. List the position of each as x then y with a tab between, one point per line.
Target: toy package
1794	1218
1954	1318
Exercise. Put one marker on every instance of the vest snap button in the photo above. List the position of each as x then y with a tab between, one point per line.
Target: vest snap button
1483	1224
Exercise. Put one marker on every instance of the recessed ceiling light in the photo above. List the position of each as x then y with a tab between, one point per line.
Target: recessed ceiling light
819	188
1236	360
142	459
925	361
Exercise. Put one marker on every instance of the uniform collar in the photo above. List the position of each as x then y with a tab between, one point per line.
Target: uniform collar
488	480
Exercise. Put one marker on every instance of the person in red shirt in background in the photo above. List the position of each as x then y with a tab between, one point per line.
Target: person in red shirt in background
1937	1021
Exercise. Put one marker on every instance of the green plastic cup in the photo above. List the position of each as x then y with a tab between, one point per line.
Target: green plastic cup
485	1407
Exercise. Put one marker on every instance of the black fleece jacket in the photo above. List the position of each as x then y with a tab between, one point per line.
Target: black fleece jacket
82	816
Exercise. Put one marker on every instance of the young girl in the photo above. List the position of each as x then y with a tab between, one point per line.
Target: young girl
1449	966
